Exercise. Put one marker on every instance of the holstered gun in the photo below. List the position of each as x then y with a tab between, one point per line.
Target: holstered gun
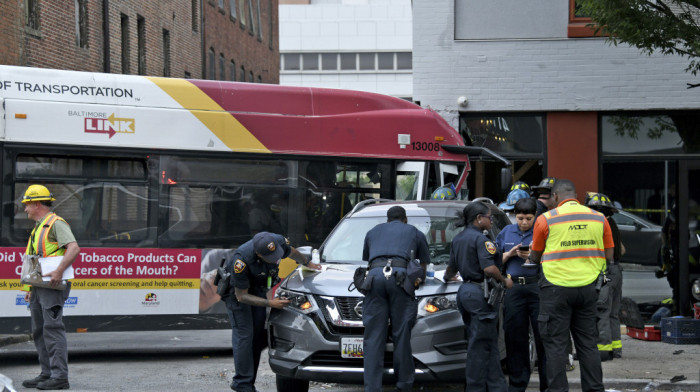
222	280
496	293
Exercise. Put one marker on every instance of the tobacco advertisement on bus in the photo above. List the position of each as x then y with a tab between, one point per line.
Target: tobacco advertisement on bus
118	281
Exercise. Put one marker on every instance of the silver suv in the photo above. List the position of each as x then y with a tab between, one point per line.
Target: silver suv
319	336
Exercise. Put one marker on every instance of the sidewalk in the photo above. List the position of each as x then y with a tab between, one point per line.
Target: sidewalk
642	362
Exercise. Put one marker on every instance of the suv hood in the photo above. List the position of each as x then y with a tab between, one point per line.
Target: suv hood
335	279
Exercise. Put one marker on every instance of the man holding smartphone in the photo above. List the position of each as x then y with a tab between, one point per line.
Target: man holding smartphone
522	301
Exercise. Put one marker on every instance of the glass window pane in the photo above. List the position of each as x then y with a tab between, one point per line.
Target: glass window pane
404	60
329	61
310	61
407	185
347	61
192	170
40	166
367	61
385	61
662	134
509	134
291	61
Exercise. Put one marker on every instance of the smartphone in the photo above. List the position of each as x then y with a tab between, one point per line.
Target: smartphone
524	248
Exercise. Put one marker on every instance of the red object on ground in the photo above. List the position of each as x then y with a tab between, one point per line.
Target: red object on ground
648	333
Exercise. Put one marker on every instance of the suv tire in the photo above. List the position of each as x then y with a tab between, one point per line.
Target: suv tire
288	384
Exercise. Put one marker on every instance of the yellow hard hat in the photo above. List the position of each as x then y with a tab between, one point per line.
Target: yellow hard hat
37	193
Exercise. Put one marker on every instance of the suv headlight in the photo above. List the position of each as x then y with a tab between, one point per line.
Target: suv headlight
300	302
696	289
436	304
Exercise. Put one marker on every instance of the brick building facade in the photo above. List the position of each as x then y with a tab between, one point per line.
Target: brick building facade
241	40
144	37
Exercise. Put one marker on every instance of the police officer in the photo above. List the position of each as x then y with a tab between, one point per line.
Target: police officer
253	268
388	248
51	237
610	297
476	258
573	242
522	302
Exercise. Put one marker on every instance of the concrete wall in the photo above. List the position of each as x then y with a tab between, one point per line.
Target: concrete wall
350	27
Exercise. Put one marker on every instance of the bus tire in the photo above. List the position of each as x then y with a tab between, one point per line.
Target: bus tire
288	384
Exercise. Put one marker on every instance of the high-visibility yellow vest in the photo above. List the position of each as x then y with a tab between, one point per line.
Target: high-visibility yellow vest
39	243
574	253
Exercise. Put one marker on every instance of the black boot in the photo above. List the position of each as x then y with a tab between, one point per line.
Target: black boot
606	356
54	383
34	381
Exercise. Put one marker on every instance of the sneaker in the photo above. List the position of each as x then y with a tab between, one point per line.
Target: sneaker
53	384
570	364
34	381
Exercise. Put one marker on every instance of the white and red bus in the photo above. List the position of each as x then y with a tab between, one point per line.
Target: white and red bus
160	178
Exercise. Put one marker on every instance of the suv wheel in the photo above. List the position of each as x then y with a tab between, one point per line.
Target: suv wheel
287	384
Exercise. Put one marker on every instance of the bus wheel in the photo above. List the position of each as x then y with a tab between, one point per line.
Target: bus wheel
287	384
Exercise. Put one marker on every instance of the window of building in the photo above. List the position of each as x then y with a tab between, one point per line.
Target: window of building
251	17
166	53
222	70
251	78
257	3
221	5
404	60
31	14
188	75
211	68
348	61
367	61
232	9
309	61
232	67
259	79
141	43
241	13
385	61
81	23
512	135
271	25
242	79
578	22
126	55
329	61
291	62
195	22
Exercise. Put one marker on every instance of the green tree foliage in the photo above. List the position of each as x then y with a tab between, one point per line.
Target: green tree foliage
666	26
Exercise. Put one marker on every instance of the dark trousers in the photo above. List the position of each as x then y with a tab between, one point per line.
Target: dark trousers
521	308
387	301
608	311
563	309
48	330
483	358
248	339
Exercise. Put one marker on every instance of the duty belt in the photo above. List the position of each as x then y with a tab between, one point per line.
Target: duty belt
524	279
380	262
478	281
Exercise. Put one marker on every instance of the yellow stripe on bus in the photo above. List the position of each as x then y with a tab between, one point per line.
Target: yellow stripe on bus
221	123
116	284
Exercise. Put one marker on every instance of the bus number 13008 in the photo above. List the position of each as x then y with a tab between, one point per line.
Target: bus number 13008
425	146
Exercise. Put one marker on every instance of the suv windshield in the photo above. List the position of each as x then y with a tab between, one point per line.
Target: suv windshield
347	241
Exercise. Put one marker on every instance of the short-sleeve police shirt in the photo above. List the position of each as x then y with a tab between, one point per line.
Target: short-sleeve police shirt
395	239
250	272
471	252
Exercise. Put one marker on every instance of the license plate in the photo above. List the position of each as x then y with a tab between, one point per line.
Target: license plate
351	347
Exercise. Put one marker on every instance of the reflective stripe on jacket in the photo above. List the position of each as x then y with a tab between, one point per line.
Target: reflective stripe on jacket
574	253
39	243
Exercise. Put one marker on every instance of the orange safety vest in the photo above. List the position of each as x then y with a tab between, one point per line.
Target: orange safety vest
574	253
39	243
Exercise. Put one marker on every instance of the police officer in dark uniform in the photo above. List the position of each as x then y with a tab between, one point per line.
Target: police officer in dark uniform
476	258
253	268
388	247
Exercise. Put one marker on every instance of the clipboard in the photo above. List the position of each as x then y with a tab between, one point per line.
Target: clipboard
49	264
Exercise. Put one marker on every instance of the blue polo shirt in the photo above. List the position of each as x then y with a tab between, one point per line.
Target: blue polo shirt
506	240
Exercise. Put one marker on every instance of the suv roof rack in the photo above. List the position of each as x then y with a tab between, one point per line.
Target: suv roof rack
365	203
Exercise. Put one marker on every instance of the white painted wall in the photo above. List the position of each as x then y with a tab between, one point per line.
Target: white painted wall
348	26
545	74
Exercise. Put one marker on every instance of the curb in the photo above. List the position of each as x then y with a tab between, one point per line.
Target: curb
612	384
6	340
